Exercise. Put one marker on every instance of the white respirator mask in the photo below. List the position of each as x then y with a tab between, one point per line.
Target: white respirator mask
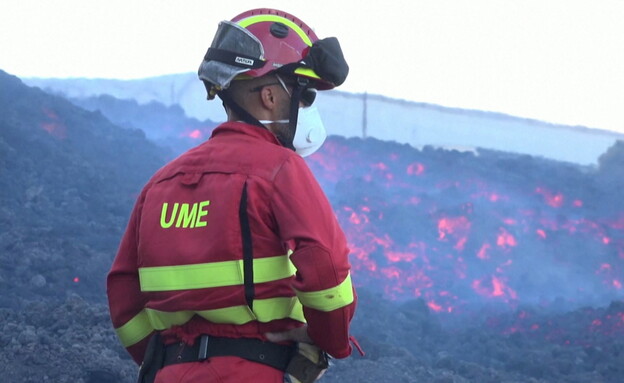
310	133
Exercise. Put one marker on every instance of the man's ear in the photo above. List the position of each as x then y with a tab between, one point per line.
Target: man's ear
268	98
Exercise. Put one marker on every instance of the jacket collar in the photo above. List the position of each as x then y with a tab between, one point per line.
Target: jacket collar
238	127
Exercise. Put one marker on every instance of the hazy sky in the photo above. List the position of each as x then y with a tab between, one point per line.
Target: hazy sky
555	60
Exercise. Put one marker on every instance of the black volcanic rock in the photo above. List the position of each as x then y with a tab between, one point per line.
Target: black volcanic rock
610	175
68	341
68	181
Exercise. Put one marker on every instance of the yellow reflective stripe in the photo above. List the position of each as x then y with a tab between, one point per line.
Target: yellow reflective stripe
161	320
272	268
297	311
135	329
234	315
328	299
306	72
265	310
275	18
185	277
214	274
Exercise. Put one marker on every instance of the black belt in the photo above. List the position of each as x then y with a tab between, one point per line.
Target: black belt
255	350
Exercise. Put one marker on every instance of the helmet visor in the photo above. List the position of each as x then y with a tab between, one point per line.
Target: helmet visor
234	50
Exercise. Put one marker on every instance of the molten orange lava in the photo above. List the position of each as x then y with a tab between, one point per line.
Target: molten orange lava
505	239
415	169
398	256
483	251
379	166
552	199
196	134
434	306
453	225
53	126
391	272
496	289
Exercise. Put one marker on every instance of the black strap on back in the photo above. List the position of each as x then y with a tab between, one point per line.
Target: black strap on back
152	359
247	249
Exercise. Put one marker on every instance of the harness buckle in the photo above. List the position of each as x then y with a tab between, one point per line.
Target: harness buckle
203	348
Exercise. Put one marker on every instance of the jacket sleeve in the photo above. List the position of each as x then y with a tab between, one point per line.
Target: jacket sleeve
125	300
323	283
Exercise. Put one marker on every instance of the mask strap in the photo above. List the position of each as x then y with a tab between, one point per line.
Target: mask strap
283	84
295	99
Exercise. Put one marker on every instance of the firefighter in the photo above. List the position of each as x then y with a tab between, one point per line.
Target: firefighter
233	267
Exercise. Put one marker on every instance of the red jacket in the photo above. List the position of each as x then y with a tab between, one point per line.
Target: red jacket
179	267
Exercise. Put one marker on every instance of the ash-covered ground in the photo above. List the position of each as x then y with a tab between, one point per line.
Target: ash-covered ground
72	341
471	267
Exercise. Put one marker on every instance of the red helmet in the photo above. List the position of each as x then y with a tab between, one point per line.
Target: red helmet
264	40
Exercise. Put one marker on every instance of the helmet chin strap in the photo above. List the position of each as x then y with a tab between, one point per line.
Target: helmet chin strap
295	99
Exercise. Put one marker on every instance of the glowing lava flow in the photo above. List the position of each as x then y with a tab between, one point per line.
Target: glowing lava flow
419	227
53	124
197	133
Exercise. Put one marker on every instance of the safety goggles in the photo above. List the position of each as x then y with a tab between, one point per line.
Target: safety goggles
307	96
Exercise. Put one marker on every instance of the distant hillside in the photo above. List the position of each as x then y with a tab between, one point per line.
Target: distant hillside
69	178
168	126
360	115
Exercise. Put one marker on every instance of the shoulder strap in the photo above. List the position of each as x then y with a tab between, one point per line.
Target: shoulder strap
247	248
